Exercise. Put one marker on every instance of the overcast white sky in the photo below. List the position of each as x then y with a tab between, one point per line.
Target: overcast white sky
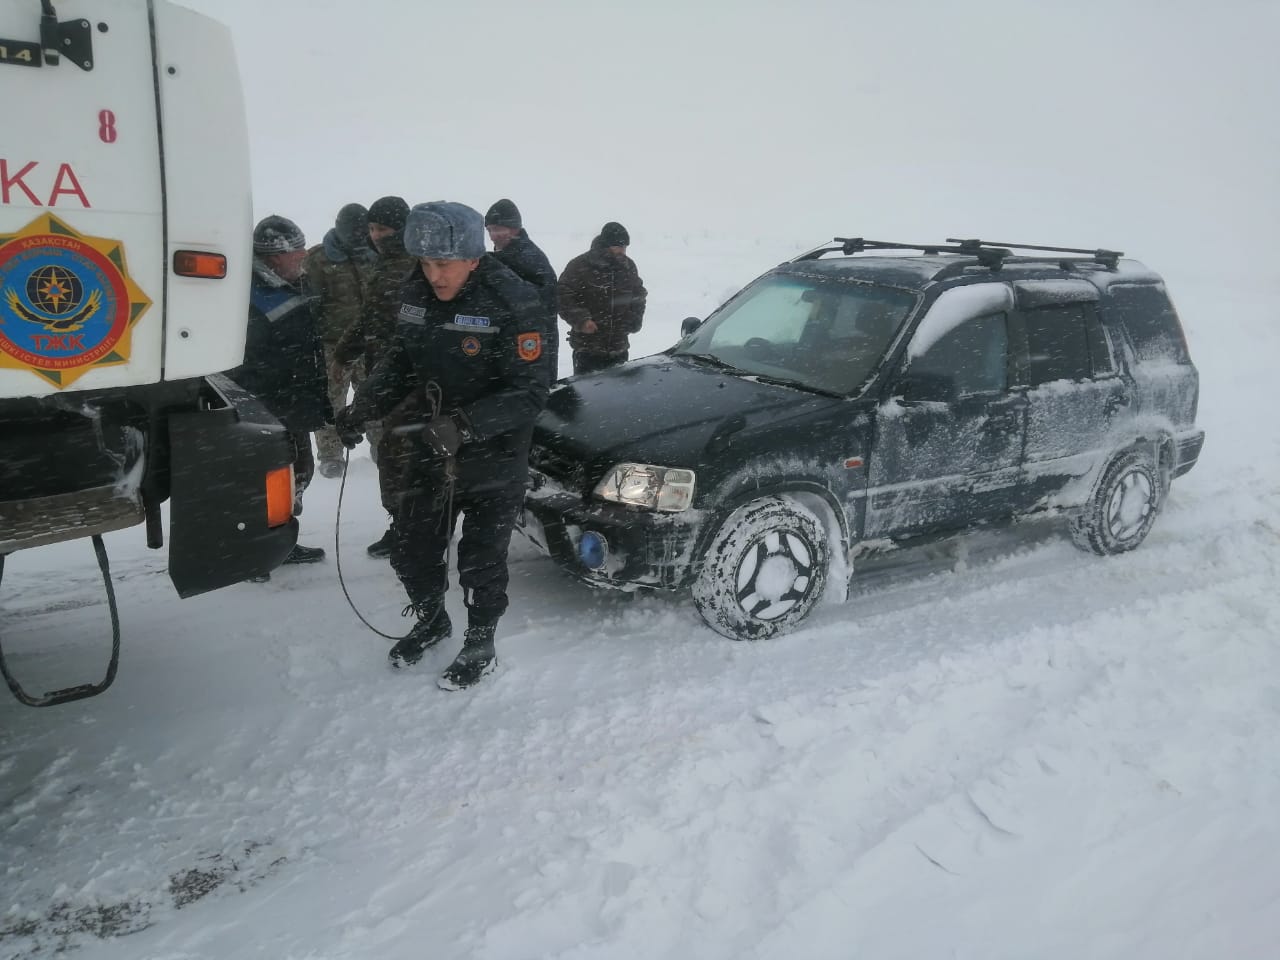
1139	125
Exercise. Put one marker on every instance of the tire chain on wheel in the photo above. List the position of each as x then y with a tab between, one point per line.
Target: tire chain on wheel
715	589
1089	528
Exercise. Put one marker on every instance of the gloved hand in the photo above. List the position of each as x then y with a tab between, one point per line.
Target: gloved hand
442	435
349	430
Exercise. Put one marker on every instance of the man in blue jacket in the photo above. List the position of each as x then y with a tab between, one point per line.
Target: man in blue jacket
283	354
470	339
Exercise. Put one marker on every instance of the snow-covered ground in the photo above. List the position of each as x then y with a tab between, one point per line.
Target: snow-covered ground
1005	749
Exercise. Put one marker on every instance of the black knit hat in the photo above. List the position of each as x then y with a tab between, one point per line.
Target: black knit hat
390	212
352	226
277	234
614	235
503	213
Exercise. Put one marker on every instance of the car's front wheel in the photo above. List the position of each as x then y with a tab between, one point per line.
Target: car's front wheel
1123	508
765	570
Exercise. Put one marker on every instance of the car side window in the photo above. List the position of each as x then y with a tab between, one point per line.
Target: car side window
1104	364
1058	343
974	354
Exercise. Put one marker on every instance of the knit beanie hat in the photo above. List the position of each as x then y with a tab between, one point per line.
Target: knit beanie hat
390	212
504	213
276	234
614	235
444	230
352	226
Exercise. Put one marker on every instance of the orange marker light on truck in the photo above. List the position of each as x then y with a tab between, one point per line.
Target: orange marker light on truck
279	496
192	263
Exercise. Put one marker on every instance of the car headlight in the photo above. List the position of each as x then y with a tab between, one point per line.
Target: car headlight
668	489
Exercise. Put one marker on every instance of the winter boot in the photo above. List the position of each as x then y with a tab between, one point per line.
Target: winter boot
331	469
430	629
476	659
301	554
381	549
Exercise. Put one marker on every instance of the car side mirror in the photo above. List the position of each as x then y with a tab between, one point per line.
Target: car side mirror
688	325
922	387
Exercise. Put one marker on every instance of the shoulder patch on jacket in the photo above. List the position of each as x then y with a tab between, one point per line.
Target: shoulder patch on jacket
529	346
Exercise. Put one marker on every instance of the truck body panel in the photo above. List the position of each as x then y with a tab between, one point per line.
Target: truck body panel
207	194
124	145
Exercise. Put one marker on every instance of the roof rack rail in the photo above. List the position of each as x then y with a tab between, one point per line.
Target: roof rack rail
1108	258
987	255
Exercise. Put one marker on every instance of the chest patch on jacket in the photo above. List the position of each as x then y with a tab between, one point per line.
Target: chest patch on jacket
470	346
411	313
529	346
463	320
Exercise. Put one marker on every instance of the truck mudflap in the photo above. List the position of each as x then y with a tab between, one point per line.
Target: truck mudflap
222	528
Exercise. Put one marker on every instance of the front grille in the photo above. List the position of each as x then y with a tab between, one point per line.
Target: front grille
566	471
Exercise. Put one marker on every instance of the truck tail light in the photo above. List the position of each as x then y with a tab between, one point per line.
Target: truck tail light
193	263
279	496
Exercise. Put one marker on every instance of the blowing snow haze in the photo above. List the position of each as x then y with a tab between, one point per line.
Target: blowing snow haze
1143	126
996	748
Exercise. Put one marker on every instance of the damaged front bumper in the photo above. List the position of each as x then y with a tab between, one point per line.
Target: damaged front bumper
608	545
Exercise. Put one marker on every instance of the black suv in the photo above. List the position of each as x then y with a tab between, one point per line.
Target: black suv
840	403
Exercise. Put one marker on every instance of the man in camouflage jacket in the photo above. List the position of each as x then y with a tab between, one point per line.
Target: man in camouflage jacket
368	339
336	274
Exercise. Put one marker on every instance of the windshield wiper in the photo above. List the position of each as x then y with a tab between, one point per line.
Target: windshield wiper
795	384
713	361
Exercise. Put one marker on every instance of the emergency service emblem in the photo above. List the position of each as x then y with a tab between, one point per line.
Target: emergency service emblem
67	303
470	346
529	346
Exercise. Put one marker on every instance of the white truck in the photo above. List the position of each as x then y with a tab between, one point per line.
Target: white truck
125	256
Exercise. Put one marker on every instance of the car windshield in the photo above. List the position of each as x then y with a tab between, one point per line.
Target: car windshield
818	334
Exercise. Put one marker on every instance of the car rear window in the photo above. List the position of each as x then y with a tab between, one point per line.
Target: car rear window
1148	317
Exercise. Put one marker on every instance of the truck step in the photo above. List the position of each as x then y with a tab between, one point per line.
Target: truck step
37	521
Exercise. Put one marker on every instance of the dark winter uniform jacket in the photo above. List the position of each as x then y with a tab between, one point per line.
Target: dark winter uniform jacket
485	350
529	263
597	286
336	280
369	336
283	357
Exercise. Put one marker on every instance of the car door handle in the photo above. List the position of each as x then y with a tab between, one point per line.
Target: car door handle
1004	416
1116	401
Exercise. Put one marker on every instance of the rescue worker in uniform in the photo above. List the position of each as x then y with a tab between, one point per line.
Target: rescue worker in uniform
513	247
469	341
367	340
283	357
335	275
